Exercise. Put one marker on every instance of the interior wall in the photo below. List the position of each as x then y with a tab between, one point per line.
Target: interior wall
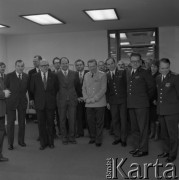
84	45
169	45
3	48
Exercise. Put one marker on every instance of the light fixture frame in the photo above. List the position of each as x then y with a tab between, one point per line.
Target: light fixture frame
118	18
22	16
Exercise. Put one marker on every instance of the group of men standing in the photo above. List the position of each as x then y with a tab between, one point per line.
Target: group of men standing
76	96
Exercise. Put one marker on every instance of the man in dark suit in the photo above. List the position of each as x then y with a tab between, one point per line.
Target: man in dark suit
116	101
2	70
4	93
17	83
36	63
81	110
44	86
168	109
140	88
67	100
56	64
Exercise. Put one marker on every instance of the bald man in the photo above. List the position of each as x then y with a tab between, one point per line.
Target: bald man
44	86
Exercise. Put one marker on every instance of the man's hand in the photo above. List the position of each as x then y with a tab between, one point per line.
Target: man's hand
31	104
108	106
80	99
7	93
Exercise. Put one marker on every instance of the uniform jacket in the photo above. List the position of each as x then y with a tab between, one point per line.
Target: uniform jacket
67	88
44	98
18	89
168	94
94	88
117	87
140	88
2	99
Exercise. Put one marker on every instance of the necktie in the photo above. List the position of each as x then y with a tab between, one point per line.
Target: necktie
112	75
20	77
65	73
92	75
132	73
163	78
2	76
81	77
44	80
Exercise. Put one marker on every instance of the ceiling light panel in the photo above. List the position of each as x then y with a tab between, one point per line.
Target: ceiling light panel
3	26
43	19
102	14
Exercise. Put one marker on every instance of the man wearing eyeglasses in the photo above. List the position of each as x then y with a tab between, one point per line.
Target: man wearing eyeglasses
140	88
44	86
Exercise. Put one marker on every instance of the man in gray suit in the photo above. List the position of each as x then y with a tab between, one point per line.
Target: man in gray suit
94	89
67	101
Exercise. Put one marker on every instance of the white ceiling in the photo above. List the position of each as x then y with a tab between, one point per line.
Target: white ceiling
133	14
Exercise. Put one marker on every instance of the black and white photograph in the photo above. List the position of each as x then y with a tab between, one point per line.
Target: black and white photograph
89	89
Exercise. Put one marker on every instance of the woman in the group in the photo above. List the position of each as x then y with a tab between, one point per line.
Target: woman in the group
154	123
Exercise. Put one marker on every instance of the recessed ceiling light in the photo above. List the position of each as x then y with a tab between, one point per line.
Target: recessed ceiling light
152	42
112	35
124	43
43	19
3	26
102	14
123	36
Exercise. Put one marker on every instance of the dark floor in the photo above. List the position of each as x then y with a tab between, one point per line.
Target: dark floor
71	162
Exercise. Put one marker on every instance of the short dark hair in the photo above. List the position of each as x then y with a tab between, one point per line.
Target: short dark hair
109	59
155	63
165	60
64	58
38	56
80	60
53	61
136	54
2	64
91	61
19	61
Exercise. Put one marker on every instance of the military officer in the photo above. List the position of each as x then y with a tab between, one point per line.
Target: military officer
168	109
140	88
94	89
116	101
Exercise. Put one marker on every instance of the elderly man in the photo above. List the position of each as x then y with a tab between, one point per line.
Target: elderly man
44	86
17	83
94	89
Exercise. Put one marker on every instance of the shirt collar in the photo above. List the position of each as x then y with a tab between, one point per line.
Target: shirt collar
37	70
42	73
18	74
81	72
113	72
65	71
